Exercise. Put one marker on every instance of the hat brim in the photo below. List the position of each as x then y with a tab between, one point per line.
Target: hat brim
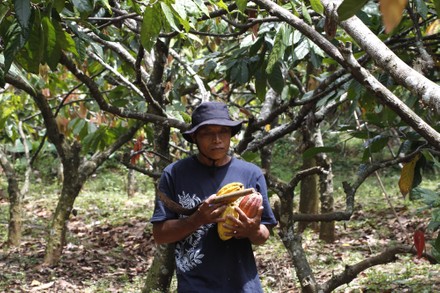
235	127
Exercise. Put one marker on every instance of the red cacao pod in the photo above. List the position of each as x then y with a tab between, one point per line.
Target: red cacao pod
251	203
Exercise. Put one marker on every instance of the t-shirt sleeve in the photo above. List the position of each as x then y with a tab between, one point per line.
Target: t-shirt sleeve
268	217
161	212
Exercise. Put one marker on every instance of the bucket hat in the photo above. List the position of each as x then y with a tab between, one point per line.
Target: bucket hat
211	113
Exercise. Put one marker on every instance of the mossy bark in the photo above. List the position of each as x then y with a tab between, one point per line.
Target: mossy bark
161	271
309	197
293	243
327	229
74	179
15	202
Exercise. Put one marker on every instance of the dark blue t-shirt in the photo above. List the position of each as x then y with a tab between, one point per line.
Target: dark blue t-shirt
204	262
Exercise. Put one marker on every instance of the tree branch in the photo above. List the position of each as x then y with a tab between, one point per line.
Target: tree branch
367	80
351	272
121	112
424	88
389	99
204	94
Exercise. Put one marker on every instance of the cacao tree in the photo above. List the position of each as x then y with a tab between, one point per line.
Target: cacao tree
17	137
153	61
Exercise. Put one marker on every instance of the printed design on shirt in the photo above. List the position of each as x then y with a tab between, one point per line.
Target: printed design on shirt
188	254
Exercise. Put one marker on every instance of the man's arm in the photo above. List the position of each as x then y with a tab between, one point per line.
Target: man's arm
173	230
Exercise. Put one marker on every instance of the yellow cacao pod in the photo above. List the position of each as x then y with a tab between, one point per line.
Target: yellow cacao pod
230	209
230	187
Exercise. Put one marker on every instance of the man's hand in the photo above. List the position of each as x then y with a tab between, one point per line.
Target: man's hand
245	227
208	212
177	229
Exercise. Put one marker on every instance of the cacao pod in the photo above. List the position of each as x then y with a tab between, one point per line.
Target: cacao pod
251	203
230	209
230	187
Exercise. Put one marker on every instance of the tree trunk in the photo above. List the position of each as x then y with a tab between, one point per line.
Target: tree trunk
131	183
292	242
327	229
72	185
15	202
79	170
309	197
161	270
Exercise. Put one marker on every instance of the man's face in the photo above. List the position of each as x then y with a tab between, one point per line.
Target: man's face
213	140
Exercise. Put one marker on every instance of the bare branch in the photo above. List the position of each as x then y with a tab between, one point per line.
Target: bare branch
351	272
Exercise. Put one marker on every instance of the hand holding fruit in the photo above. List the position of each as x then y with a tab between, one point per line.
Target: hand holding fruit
210	213
242	217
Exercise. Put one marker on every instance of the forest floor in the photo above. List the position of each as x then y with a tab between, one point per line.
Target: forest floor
110	248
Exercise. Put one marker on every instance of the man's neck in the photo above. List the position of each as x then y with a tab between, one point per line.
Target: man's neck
210	162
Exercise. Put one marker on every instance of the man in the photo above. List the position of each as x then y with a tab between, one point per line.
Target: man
204	262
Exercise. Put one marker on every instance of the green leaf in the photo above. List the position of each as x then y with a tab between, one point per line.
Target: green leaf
435	251
435	221
181	9
23	13
422	9
437	242
302	50
84	7
16	73
278	50
4	9
317	6
201	5
240	73
2	80
94	141
76	125
106	4
348	8
315	59
276	79
169	16
250	156
260	84
377	143
31	58
311	152
64	40
222	5
58	5
151	26
241	5
52	51
14	42
305	13
437	7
